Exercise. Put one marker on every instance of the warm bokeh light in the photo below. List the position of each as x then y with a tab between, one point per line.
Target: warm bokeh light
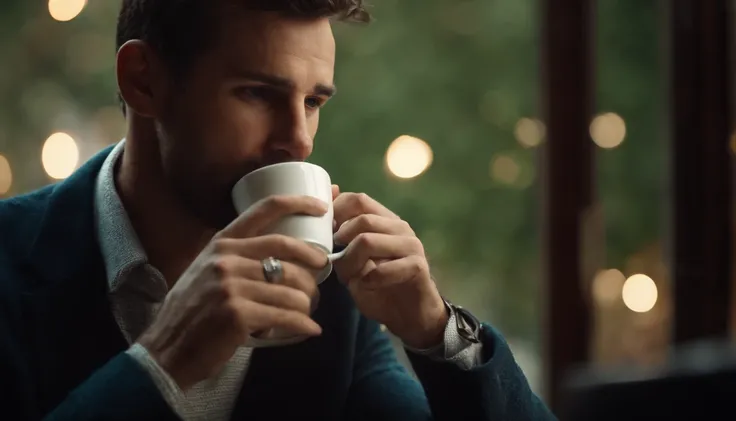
639	293
529	132
608	130
408	157
66	10
505	169
60	156
6	175
607	286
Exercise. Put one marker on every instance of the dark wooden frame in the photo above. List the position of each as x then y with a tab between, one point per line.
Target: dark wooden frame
701	174
699	40
567	39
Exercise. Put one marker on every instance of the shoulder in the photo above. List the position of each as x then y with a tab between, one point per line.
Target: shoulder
20	218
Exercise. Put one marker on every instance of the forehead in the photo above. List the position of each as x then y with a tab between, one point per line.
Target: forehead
271	43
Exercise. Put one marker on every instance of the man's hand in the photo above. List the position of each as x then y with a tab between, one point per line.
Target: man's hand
223	297
386	270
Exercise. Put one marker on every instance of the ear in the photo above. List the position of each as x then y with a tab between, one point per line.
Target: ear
141	78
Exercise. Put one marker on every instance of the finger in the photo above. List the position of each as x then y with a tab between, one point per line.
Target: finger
261	317
335	191
264	213
273	245
275	295
373	246
349	205
394	272
293	276
371	223
237	267
367	268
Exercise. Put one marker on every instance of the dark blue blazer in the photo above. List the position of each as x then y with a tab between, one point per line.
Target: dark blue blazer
62	354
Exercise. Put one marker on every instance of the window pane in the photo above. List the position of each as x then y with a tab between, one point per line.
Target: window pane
632	295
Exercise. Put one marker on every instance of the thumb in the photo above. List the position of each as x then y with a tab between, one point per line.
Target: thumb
335	191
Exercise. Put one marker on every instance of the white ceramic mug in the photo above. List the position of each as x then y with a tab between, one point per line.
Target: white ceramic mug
291	178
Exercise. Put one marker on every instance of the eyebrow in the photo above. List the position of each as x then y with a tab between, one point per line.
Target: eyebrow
283	83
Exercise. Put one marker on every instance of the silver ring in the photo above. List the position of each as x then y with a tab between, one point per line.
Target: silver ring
273	270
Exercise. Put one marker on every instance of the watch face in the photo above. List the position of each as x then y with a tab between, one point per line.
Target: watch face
468	327
464	328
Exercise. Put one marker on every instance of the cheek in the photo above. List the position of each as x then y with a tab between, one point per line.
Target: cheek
211	147
241	128
202	144
219	138
187	125
195	156
234	144
251	129
313	124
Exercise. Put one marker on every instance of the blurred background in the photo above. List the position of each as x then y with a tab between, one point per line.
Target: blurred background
439	117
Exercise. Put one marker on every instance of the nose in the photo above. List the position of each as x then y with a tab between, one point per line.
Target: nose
292	136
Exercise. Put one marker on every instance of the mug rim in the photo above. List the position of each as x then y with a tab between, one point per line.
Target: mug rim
283	164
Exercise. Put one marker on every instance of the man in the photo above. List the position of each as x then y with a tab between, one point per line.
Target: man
128	290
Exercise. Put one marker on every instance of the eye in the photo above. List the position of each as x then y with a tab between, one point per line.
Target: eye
252	93
313	102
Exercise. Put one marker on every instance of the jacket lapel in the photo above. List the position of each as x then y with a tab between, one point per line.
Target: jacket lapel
72	330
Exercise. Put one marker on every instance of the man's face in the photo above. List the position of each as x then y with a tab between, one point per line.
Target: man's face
251	100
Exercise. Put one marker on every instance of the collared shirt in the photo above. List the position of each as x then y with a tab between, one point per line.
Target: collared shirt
137	291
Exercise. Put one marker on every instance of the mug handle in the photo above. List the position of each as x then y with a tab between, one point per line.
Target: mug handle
334	256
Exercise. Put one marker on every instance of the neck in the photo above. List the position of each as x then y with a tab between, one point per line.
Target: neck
171	236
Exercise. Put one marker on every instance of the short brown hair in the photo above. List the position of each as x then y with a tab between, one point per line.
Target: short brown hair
345	10
180	30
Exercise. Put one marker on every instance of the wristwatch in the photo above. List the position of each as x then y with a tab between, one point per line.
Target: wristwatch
468	326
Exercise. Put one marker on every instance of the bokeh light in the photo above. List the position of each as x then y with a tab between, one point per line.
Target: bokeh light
607	286
529	132
639	293
608	130
6	175
408	157
505	169
66	10
60	156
